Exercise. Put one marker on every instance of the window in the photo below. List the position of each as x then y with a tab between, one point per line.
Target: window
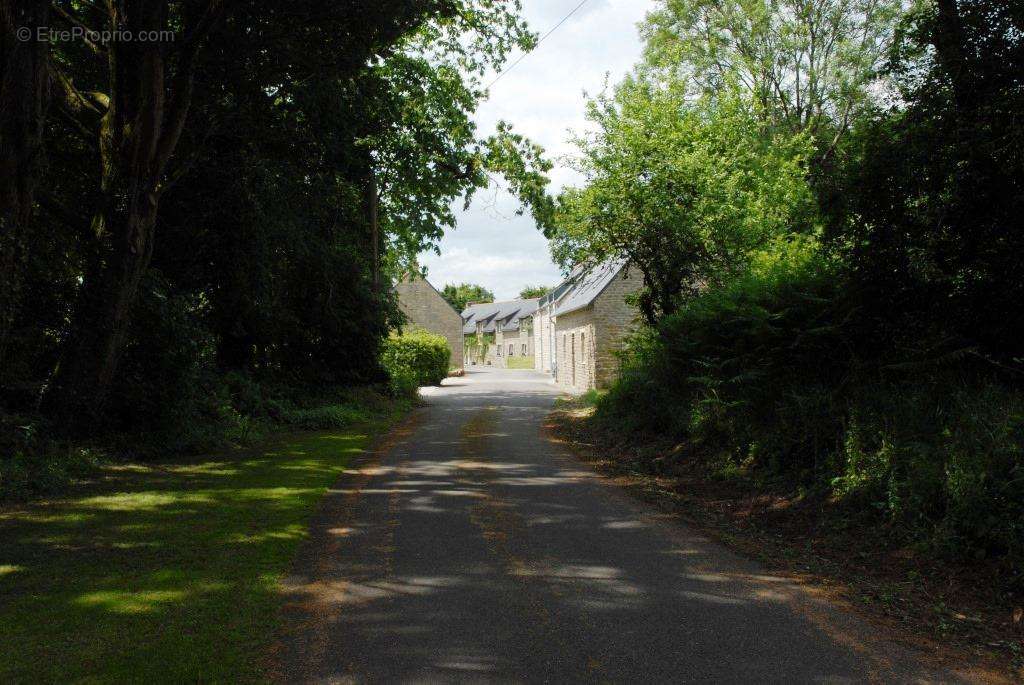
511	350
524	349
498	350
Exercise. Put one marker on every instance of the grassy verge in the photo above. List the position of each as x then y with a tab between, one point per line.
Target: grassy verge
961	611
164	571
519	363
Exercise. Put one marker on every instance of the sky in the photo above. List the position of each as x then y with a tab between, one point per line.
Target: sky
543	98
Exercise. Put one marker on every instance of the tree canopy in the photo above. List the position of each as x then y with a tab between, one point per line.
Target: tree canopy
685	189
824	198
232	199
461	295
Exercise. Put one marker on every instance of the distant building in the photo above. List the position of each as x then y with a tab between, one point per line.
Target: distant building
581	324
427	309
500	333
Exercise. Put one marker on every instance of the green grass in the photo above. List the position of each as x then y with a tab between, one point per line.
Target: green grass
162	572
519	362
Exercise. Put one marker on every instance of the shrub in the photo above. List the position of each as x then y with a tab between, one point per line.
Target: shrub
779	372
25	476
756	362
415	358
166	375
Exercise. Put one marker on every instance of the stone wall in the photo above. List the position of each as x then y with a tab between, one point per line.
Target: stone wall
542	327
518	340
615	320
576	351
587	339
426	309
497	352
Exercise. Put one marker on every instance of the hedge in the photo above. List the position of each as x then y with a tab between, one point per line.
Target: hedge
415	358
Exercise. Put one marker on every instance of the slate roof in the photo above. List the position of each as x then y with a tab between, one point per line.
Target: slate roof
584	288
556	292
491	314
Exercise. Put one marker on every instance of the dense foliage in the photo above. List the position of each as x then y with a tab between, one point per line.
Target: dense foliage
685	189
833	287
461	295
780	372
416	358
229	203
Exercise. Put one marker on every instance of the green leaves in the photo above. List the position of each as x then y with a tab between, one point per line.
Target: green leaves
687	189
459	296
425	148
416	358
805	65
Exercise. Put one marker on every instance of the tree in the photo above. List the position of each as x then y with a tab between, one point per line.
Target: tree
685	190
806	65
227	198
390	86
461	295
134	107
24	98
533	291
928	209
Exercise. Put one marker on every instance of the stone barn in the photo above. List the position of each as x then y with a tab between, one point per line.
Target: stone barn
427	309
582	323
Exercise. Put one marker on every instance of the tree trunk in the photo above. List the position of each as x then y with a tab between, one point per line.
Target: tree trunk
138	134
81	386
24	95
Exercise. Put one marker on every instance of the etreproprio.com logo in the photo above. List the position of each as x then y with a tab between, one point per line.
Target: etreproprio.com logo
48	34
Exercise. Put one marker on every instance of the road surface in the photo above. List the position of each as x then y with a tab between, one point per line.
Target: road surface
473	549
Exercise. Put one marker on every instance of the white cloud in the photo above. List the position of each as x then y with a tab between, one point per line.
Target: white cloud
543	99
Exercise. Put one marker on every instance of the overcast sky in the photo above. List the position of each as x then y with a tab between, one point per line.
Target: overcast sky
543	99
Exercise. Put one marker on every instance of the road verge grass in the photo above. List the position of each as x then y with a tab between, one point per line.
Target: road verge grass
164	571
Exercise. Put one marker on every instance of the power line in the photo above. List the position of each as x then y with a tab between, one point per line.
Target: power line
525	54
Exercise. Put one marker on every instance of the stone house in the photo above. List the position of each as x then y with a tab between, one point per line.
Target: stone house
581	324
500	333
427	309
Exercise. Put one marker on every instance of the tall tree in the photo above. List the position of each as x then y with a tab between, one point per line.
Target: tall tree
809	65
929	211
138	104
461	295
24	97
224	196
685	190
134	100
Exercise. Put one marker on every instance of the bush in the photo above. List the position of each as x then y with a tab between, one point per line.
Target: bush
757	359
166	375
778	372
415	358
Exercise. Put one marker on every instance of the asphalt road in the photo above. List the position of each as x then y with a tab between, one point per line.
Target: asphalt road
473	549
